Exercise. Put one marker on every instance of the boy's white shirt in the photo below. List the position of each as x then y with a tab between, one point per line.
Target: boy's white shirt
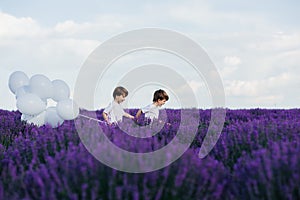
151	111
114	112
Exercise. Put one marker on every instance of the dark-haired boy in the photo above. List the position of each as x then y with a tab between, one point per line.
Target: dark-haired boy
151	111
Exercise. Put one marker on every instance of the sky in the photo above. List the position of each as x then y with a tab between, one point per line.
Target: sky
255	46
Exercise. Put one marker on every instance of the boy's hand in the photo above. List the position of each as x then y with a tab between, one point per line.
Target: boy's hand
168	124
108	123
129	116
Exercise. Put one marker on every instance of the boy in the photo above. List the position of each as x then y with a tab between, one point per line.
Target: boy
152	111
114	112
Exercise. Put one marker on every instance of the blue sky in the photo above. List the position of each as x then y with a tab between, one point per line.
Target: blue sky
255	46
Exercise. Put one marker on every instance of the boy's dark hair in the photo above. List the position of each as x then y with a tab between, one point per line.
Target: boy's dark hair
120	91
160	95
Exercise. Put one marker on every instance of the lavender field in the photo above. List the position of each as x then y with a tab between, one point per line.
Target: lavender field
256	157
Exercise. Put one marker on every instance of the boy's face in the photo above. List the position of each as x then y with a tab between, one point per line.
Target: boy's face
161	102
120	99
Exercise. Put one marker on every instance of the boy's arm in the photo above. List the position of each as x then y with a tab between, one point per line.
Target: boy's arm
138	114
128	115
105	117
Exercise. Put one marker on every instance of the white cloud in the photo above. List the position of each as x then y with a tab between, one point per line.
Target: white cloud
69	27
25	36
192	13
232	60
274	55
104	23
242	88
63	47
278	41
227	71
268	100
12	26
196	85
205	15
256	88
231	64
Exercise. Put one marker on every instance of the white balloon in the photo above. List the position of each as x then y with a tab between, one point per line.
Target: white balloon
38	120
22	90
41	86
45	101
67	109
16	80
30	104
25	117
52	118
61	90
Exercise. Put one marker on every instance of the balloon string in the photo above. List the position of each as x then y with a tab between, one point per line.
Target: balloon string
90	118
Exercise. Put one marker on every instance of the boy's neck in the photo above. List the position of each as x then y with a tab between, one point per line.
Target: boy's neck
115	100
155	103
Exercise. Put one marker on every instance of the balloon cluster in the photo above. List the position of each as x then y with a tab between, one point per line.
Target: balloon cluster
32	96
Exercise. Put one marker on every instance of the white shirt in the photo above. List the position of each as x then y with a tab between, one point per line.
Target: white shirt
151	111
114	112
